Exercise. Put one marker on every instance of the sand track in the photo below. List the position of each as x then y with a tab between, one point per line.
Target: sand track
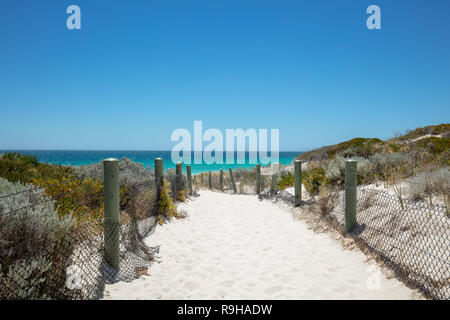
237	247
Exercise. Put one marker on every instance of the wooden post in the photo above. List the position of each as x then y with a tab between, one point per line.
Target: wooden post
298	182
159	170
258	179
221	180
209	181
179	172
159	176
111	211
232	181
274	186
350	194
189	179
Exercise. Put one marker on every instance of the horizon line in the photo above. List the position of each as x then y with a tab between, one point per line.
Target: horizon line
118	150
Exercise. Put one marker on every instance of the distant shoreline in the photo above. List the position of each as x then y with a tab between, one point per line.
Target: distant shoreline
146	158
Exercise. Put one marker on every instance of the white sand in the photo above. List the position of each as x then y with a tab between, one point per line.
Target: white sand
237	247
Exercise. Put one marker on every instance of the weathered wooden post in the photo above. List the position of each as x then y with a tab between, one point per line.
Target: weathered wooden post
159	170
179	172
350	194
221	180
258	178
111	211
274	186
159	176
189	179
232	181
209	181
298	182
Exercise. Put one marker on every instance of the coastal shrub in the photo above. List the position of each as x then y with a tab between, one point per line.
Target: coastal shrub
442	128
287	180
129	172
72	194
349	152
429	183
176	192
327	201
364	171
335	170
313	179
379	162
434	145
26	159
81	198
166	208
23	168
357	147
29	240
396	159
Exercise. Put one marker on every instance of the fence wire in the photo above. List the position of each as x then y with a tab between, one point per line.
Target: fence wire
411	237
71	264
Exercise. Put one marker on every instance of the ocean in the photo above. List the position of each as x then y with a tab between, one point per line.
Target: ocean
147	158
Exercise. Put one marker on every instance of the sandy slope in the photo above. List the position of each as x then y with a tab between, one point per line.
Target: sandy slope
237	247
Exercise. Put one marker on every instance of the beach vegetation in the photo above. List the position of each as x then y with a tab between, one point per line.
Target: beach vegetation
82	198
327	201
166	208
30	241
313	179
286	180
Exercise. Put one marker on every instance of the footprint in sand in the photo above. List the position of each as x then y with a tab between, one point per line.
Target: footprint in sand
273	290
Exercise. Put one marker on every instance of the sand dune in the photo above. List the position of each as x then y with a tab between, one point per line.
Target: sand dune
237	247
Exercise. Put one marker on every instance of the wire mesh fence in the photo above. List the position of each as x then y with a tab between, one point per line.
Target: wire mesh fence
51	257
412	238
46	257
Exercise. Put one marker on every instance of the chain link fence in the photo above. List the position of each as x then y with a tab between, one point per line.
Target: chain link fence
46	257
411	237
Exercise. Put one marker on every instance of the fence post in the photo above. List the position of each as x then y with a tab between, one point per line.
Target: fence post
159	171
221	180
179	172
209	180
350	194
189	178
273	186
232	181
298	182
111	211
258	178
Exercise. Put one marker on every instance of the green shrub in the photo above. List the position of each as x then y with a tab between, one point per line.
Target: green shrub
166	207
287	180
313	179
335	170
72	194
434	145
429	183
29	245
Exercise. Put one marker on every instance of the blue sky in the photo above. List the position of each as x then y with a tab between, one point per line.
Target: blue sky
137	70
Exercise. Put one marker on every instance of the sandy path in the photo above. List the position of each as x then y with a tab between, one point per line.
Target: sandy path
237	247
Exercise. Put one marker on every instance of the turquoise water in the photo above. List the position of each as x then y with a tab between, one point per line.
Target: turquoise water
147	158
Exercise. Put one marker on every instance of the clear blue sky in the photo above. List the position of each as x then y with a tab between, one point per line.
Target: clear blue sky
140	69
